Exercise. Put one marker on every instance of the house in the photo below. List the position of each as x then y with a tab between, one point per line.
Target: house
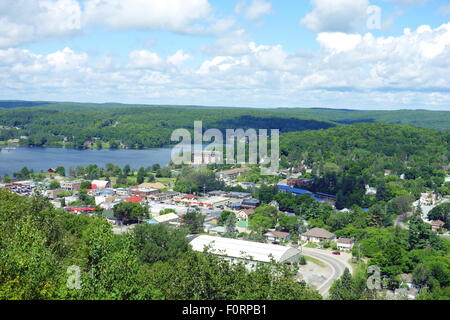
100	184
277	236
232	173
244	214
428	198
345	243
317	235
437	225
370	190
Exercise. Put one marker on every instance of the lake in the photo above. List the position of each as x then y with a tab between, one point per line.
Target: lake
41	159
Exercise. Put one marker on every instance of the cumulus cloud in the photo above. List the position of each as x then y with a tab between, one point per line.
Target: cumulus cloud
257	9
178	58
23	21
349	70
336	15
144	59
175	15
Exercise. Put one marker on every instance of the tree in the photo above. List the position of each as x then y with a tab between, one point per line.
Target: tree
193	221
140	175
342	288
419	231
266	193
230	226
61	171
156	167
54	185
85	185
159	242
128	212
224	215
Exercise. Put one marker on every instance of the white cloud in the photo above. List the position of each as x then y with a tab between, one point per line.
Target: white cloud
338	41
178	58
175	15
23	21
257	9
144	59
349	70
336	15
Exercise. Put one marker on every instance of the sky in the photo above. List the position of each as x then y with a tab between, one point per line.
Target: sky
356	54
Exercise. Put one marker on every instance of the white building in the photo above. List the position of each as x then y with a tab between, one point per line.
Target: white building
245	250
345	243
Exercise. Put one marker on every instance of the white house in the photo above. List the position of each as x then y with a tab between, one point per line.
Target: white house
345	243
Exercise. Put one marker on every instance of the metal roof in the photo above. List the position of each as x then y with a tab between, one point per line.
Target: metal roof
242	249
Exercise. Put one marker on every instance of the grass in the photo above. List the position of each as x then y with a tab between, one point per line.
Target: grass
315	261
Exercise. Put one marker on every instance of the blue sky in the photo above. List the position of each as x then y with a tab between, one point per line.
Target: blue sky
259	53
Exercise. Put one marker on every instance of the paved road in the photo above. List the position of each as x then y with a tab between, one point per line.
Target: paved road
336	263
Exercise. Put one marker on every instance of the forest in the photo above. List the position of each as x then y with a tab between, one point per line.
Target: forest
112	125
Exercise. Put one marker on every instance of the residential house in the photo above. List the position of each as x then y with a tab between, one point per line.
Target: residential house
437	225
317	235
277	236
345	243
244	214
232	173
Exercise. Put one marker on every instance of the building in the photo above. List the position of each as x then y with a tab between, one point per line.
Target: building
206	157
152	185
100	184
244	214
437	225
70	185
249	204
165	218
317	235
143	192
277	236
245	250
428	198
345	243
232	173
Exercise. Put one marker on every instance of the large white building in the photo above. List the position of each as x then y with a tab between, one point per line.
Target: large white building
245	250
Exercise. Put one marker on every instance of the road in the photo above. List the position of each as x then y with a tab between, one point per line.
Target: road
336	263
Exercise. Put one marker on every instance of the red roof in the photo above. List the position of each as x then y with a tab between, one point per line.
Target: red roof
134	199
81	209
190	196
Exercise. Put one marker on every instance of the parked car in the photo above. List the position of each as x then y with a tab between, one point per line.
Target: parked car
336	253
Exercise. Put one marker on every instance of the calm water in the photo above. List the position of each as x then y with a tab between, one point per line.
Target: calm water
12	160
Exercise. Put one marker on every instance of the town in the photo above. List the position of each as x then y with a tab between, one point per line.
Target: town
230	221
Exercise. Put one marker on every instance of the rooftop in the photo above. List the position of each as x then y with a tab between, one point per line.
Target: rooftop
241	249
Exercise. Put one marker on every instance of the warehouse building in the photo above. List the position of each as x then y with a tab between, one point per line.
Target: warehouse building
245	250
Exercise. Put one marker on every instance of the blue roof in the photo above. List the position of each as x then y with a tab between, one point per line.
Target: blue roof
293	190
326	194
152	221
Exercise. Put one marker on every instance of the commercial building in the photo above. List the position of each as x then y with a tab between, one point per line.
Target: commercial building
245	250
